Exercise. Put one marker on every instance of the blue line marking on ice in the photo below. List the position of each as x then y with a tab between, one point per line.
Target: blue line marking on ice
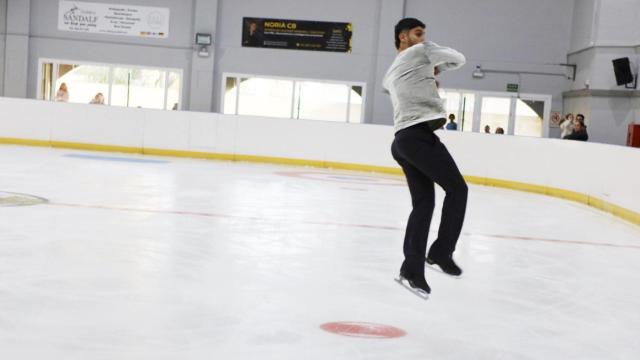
118	159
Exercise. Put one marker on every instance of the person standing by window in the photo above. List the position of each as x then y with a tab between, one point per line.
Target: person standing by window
63	93
98	99
566	125
579	132
452	123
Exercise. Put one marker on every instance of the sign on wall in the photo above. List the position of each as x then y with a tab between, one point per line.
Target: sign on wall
113	19
297	35
513	87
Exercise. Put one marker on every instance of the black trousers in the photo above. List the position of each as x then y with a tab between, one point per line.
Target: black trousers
425	161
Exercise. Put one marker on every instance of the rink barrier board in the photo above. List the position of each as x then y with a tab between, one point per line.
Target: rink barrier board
602	205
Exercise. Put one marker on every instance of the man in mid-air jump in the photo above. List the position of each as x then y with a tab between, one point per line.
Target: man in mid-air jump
418	112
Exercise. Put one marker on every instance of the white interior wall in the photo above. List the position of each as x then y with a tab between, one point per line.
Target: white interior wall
618	23
584	24
603	171
496	34
506	43
604	30
3	36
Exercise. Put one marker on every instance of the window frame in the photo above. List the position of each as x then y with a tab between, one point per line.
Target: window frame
111	66
480	94
295	80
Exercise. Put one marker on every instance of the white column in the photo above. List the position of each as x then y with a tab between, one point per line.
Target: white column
3	34
202	87
16	57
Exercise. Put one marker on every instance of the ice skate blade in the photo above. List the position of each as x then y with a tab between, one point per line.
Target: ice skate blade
417	292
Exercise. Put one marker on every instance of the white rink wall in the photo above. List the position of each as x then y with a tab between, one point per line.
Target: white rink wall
605	172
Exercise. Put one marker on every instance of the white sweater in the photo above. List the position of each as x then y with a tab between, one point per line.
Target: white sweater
567	128
411	83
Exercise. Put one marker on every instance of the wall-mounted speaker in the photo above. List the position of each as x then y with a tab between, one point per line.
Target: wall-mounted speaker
622	69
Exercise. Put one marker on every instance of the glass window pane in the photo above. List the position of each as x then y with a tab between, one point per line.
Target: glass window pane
83	83
142	88
146	89
495	114
468	107
266	97
452	106
321	101
230	96
529	118
173	91
120	87
355	111
47	79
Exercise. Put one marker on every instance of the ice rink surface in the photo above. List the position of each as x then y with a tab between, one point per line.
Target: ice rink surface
111	256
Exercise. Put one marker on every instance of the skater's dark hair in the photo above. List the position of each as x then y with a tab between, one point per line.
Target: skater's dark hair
406	24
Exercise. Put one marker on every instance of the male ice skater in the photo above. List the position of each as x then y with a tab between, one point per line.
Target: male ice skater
418	112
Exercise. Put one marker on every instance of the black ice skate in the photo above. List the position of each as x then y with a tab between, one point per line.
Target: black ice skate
444	264
417	285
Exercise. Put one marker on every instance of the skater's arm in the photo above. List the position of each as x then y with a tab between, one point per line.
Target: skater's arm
385	86
444	58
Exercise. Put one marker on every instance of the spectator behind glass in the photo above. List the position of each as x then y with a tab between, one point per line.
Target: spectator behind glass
487	129
579	131
98	99
566	125
63	94
452	123
500	131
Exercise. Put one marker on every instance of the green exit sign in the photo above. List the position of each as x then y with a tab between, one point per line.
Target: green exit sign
513	87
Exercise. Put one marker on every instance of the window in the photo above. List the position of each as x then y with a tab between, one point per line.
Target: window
451	104
128	86
355	104
529	118
265	97
120	88
495	113
292	98
231	96
321	101
466	118
83	82
516	114
174	85
46	81
146	88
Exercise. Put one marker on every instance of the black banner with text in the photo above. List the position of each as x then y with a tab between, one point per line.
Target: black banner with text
297	35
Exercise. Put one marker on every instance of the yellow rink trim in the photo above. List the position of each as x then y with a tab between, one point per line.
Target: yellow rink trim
618	211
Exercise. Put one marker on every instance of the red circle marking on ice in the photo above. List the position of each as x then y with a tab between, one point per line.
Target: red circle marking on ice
363	330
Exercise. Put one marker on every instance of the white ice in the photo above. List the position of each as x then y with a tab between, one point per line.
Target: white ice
194	259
